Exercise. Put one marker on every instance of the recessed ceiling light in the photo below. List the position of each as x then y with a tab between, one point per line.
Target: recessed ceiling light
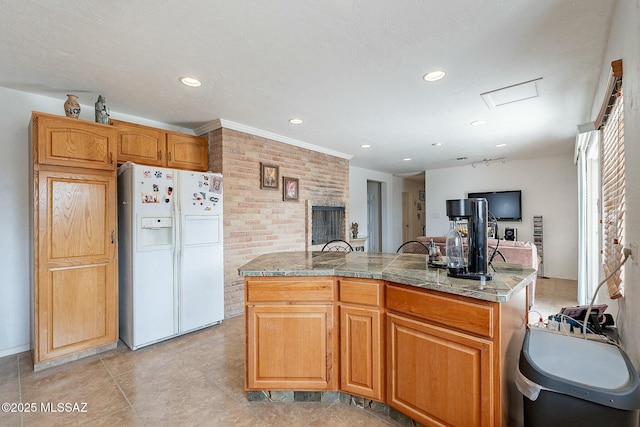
406	159
296	121
478	122
435	75
190	81
365	145
436	144
501	145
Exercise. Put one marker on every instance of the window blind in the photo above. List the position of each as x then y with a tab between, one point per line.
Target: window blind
612	168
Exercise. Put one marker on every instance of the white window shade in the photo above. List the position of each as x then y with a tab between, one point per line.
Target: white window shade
612	168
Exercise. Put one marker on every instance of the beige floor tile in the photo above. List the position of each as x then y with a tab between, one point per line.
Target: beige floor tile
552	294
184	397
56	381
340	415
290	413
10	420
9	368
82	402
123	359
126	417
10	390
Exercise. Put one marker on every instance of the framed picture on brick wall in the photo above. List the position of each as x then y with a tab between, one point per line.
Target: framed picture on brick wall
269	176
290	189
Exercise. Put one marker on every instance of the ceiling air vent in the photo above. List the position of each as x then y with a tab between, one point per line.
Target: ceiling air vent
513	93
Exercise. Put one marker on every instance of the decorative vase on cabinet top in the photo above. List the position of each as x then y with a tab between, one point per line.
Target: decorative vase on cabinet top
72	107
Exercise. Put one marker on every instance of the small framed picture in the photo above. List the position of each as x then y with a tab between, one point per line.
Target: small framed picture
290	189
269	176
421	195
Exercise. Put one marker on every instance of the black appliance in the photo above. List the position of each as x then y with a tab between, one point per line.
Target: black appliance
476	213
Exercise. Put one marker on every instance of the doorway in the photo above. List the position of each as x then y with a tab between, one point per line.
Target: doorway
374	215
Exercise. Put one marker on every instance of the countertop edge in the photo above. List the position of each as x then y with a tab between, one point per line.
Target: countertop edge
462	287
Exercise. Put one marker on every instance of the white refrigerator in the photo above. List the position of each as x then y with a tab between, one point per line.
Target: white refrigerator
171	272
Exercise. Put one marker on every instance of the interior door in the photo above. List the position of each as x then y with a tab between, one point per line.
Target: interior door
406	212
374	214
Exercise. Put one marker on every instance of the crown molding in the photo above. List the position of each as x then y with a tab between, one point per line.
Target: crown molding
227	124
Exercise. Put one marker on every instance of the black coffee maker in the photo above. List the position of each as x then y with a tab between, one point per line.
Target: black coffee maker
475	211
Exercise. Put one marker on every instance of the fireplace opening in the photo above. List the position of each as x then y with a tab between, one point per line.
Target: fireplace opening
327	223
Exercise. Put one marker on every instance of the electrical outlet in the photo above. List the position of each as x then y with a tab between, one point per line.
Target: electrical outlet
634	253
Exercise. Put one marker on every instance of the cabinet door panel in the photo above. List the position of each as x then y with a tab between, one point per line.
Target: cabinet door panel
78	219
438	376
78	299
70	142
75	288
361	351
187	152
141	144
290	347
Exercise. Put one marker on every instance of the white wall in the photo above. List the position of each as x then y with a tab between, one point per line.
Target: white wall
549	188
391	204
15	113
623	44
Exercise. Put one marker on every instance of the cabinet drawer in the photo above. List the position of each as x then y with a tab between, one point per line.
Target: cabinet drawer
360	291
289	289
453	312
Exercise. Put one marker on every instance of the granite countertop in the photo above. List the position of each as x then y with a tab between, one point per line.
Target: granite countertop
407	269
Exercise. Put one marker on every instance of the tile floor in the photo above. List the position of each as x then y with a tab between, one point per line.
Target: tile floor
553	294
196	379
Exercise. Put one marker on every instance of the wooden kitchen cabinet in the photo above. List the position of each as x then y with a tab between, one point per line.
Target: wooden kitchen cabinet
439	376
449	361
74	240
141	144
187	152
437	357
361	337
147	145
61	141
291	341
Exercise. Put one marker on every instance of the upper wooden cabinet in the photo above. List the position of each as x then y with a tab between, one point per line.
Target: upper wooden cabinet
141	144
187	152
157	147
63	141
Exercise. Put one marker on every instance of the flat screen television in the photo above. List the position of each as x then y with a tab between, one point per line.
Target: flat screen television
502	205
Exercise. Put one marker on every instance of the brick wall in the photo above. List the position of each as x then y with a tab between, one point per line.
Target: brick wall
258	221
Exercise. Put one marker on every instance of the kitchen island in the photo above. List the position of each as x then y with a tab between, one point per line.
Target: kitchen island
390	328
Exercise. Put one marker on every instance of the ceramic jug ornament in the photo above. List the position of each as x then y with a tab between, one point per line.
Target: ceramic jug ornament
72	107
102	112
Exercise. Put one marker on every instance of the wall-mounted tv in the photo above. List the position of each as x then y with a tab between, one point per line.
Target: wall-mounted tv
502	205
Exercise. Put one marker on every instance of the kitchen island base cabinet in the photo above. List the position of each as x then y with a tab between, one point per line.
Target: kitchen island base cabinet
440	358
289	347
451	360
439	377
291	339
362	337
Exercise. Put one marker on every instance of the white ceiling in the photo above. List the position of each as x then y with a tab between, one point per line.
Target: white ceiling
352	69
